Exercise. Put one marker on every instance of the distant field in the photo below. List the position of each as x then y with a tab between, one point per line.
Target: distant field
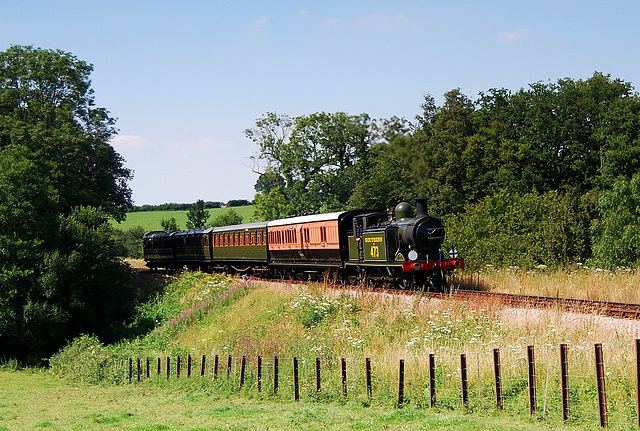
150	220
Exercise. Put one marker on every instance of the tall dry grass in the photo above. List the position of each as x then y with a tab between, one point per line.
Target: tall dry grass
580	282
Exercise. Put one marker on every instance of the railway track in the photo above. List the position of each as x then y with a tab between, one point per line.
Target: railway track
585	306
619	310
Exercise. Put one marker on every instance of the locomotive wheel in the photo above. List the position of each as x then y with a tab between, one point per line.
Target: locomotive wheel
439	281
405	282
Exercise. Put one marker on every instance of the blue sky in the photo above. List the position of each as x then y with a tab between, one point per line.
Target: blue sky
186	78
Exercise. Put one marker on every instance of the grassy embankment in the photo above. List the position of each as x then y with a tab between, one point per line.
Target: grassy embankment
150	220
203	314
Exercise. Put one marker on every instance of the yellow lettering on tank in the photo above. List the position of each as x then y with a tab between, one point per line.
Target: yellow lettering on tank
374	239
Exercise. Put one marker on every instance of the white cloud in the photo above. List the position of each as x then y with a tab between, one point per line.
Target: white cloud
515	35
129	141
260	22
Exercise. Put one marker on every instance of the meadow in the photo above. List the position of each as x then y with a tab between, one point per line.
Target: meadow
199	314
151	220
150	407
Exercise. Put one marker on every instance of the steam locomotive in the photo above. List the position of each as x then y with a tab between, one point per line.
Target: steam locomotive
371	247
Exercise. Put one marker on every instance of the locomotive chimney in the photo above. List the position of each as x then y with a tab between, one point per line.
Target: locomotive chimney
421	208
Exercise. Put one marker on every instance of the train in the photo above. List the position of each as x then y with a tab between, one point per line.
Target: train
389	248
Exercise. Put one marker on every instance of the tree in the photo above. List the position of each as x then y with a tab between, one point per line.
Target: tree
311	163
47	105
526	230
84	285
616	235
386	183
228	218
197	216
436	165
556	136
28	208
169	225
131	241
56	169
238	203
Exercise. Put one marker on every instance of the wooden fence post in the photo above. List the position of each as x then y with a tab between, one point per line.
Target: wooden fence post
498	376
178	367
638	382
159	366
368	375
564	371
243	366
148	371
465	382
296	386
343	375
259	378
130	370
318	375
602	393
139	370
168	367
229	362
432	380
203	365
401	383
216	363
275	375
532	379
189	360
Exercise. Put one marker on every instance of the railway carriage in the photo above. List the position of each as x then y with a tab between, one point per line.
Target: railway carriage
193	246
241	246
158	249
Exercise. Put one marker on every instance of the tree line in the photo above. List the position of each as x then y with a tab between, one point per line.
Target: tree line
187	206
543	176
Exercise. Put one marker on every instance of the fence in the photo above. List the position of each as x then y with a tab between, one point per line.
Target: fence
430	383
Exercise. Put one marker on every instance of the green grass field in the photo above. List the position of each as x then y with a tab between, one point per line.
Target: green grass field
38	400
150	220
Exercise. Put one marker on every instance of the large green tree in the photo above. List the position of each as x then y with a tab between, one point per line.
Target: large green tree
57	169
309	163
47	105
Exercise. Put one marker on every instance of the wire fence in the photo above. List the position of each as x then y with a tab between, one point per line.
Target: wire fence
538	382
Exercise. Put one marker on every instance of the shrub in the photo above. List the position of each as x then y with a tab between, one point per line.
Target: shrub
550	229
86	360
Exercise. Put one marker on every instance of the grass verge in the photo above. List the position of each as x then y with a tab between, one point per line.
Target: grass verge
38	400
